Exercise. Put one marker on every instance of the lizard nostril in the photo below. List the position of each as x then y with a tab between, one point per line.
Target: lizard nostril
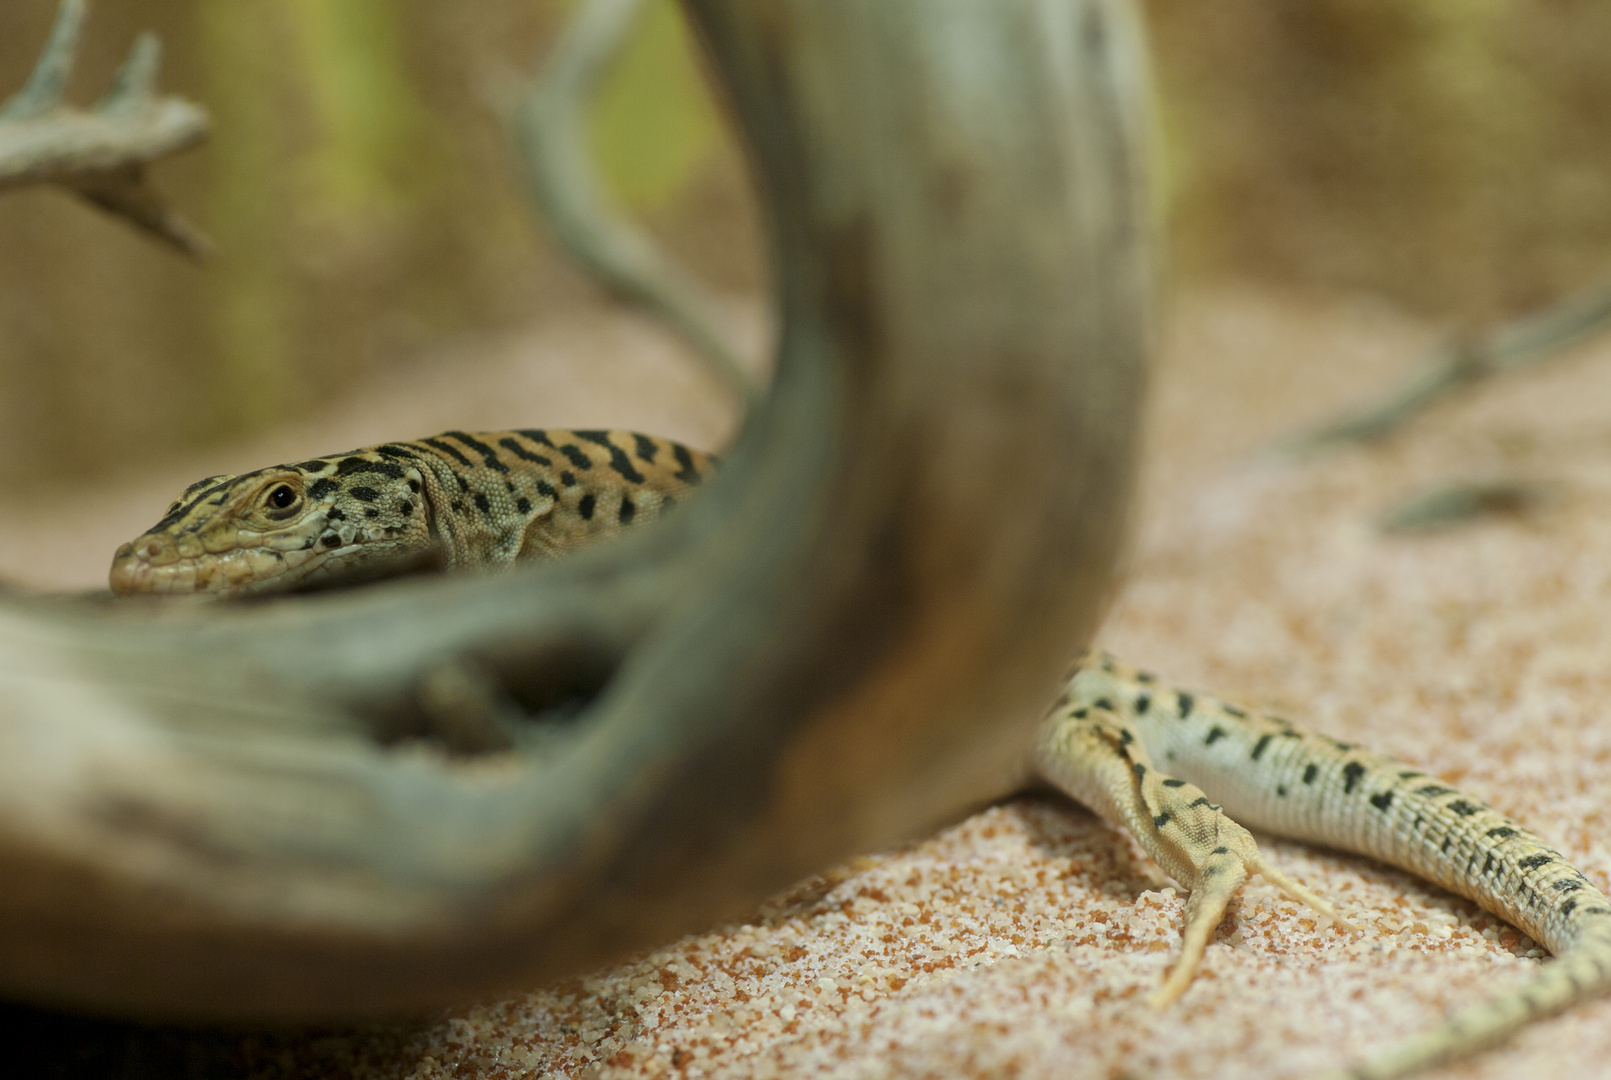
156	550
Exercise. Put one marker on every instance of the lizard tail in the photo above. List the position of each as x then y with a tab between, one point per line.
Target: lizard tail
1580	974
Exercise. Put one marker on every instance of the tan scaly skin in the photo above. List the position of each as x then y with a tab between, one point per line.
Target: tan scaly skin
487	499
1175	768
1145	756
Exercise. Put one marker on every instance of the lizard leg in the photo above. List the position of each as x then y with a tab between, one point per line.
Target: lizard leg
1087	749
1303	785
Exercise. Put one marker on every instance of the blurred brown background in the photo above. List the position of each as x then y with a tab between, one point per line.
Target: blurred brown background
374	247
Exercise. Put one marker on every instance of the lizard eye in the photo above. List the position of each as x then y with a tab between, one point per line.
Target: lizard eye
281	497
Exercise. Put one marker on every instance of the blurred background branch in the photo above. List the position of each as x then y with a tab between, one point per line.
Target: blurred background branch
551	128
1511	345
101	153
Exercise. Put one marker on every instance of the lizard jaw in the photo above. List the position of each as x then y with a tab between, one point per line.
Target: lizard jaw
267	566
229	573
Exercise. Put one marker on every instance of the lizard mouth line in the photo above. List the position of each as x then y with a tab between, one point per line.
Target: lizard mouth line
234	572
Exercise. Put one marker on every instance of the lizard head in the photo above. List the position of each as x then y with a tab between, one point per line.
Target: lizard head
278	527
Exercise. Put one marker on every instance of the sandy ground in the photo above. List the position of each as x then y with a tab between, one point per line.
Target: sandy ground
1022	941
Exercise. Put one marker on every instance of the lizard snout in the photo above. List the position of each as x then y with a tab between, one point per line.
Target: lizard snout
133	563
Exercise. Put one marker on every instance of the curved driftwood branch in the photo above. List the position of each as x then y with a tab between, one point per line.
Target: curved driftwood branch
275	809
551	129
101	153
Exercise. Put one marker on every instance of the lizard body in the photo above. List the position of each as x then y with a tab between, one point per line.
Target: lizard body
487	499
1145	756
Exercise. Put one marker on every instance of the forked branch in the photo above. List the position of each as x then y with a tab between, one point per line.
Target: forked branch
101	153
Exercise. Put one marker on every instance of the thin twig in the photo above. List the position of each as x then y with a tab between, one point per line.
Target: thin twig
101	153
1512	345
552	135
43	90
1461	503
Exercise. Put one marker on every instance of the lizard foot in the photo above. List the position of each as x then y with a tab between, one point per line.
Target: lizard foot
1212	856
1091	753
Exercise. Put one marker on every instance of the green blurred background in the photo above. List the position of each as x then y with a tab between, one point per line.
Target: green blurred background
1447	155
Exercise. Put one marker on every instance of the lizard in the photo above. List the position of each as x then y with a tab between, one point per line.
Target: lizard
1183	772
483	500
